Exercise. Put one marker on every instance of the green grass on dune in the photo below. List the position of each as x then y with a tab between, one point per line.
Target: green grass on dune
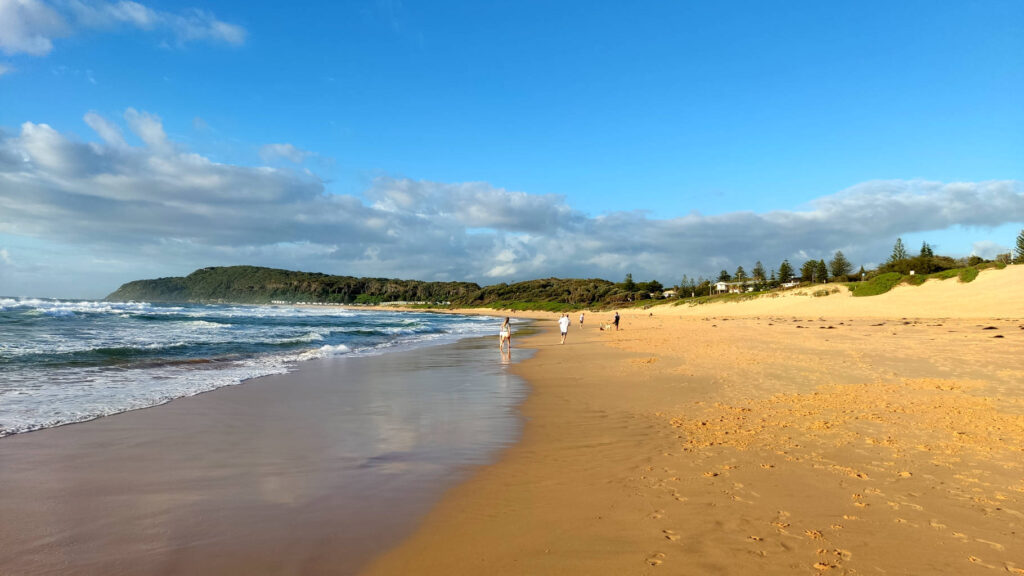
878	285
968	274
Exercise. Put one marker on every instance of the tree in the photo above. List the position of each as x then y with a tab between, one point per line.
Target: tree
758	272
839	265
808	272
821	271
723	276
741	274
862	273
926	250
1019	250
898	252
628	285
785	272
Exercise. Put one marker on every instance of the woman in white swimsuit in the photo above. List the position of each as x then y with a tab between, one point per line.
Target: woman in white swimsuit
505	335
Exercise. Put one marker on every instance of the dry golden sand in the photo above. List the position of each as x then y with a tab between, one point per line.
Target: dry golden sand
792	435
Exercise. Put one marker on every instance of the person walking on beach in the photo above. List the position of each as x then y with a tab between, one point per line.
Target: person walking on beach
563	325
616	321
505	336
581	320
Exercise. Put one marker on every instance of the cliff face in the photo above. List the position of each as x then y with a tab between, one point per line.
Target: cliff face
256	285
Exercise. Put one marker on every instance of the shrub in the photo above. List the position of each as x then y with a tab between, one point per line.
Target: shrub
878	285
968	274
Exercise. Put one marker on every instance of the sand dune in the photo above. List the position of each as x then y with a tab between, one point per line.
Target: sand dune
789	435
993	294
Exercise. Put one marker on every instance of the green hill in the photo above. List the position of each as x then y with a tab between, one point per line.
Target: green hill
256	285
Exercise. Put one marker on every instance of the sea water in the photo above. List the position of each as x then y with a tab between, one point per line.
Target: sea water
66	361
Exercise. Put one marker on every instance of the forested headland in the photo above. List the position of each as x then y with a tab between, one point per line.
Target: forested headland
257	285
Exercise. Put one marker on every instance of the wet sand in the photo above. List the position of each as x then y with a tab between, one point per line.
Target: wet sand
879	435
312	472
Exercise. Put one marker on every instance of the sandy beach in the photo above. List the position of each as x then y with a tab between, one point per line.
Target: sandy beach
786	435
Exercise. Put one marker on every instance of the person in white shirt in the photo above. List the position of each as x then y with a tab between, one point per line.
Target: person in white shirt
505	336
581	320
563	325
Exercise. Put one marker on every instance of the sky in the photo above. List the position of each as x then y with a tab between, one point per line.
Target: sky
500	141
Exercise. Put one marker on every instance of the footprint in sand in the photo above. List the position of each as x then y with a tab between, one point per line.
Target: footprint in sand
656	558
994	545
671	535
937	525
1012	568
656	514
813	534
980	562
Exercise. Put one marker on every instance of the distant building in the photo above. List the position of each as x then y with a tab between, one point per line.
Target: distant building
669	294
735	287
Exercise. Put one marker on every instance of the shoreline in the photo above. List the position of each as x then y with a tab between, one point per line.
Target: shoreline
277	475
757	442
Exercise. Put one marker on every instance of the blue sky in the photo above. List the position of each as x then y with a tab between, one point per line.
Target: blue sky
500	141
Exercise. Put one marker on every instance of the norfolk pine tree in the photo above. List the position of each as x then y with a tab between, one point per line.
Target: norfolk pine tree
1019	250
821	271
809	271
785	272
839	265
898	252
758	272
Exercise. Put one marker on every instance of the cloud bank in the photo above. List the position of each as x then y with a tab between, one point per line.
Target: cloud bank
30	26
162	209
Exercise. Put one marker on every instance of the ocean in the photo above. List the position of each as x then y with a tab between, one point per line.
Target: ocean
67	361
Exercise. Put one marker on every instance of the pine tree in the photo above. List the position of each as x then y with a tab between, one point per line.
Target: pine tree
926	250
898	252
1020	248
741	274
723	276
839	265
785	272
821	271
758	272
808	272
628	285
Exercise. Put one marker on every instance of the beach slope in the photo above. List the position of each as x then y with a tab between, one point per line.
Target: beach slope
789	435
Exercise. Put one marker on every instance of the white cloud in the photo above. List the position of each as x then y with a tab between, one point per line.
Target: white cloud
988	249
5	256
30	26
5	69
167	211
110	133
271	152
149	129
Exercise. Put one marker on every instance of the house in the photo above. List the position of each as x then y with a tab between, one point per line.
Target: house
669	294
734	287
